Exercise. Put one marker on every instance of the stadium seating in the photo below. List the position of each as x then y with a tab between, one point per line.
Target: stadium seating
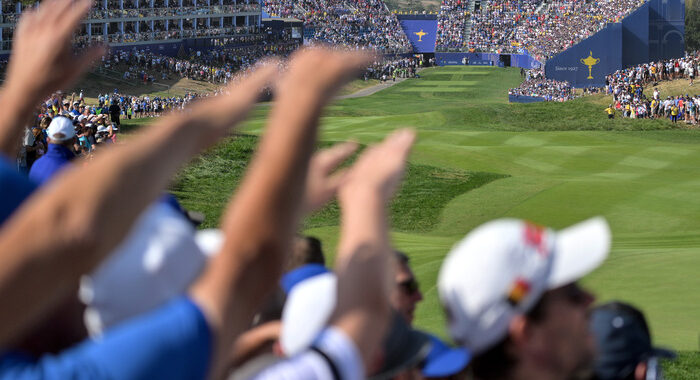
451	25
357	23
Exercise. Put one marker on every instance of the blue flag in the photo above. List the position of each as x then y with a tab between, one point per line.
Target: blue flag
421	34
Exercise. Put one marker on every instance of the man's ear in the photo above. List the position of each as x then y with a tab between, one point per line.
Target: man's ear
640	371
519	330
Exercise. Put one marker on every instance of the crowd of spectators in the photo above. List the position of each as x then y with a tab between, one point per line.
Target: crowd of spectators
561	24
215	66
94	125
281	8
541	28
358	24
99	123
240	34
387	69
536	85
100	13
451	25
630	100
105	276
494	23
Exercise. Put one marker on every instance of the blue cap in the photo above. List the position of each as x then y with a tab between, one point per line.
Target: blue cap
444	360
16	187
295	276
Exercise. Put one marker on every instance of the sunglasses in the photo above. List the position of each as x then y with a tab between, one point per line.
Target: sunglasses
409	286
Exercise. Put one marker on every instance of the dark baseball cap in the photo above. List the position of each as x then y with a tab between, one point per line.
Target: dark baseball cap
623	339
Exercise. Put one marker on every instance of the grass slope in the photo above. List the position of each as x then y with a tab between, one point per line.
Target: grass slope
556	164
206	185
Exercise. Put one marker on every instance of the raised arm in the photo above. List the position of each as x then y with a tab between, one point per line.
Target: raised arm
262	218
114	188
364	260
42	62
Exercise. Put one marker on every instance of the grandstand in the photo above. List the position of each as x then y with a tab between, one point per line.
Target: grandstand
148	22
354	23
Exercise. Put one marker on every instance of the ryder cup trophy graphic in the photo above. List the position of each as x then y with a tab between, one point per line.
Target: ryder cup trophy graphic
590	62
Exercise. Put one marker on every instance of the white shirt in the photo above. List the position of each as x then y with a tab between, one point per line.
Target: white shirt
310	365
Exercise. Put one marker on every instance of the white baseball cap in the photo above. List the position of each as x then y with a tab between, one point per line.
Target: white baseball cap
61	129
308	309
502	268
159	259
306	312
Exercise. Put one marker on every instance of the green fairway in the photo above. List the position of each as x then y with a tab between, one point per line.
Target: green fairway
552	163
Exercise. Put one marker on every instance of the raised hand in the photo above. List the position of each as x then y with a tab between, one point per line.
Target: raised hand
42	59
323	181
363	263
215	116
323	71
380	168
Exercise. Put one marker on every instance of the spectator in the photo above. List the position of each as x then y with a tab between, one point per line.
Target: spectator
627	89
624	344
115	112
407	294
536	85
509	289
61	139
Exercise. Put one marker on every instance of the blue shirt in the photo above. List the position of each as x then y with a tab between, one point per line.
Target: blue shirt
48	165
14	190
173	342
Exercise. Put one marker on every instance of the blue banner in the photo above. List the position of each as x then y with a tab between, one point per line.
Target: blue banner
587	63
525	99
421	34
652	32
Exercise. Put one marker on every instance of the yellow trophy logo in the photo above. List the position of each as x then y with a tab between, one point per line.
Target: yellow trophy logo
420	35
590	62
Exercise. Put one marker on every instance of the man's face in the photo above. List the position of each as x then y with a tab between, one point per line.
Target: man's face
407	293
562	341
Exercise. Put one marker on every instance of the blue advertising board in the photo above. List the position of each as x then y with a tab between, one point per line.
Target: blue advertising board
421	33
635	37
587	63
666	29
653	32
525	99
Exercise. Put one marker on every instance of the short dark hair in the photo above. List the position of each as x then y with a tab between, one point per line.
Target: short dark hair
402	257
497	362
306	250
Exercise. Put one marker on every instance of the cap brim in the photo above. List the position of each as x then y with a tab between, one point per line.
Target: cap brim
403	348
308	308
448	363
663	353
579	250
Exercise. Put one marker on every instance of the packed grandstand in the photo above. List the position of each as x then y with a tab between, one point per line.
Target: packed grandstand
540	28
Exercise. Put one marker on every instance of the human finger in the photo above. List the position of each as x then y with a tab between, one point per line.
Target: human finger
68	14
329	159
240	95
